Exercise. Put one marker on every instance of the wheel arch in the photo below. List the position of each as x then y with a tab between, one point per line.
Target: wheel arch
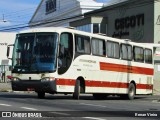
82	84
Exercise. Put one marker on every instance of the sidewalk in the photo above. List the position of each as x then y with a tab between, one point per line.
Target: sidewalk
5	87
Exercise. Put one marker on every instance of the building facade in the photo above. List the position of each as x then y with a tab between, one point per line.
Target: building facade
137	20
61	12
6	38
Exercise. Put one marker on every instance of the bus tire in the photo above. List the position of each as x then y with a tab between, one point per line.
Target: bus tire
99	96
41	95
131	91
76	93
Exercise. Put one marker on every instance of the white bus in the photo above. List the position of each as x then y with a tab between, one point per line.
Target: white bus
61	60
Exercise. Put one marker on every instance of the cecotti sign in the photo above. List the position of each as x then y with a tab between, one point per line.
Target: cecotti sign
127	22
3	44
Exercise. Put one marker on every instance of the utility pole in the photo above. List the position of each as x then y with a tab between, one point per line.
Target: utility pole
3	20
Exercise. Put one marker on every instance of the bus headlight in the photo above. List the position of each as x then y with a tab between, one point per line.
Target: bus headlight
15	79
47	79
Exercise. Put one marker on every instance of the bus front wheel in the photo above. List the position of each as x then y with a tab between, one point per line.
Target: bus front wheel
76	93
41	95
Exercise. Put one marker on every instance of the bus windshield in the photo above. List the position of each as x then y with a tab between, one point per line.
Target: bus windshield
35	52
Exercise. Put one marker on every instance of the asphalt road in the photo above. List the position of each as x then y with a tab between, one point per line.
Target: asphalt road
63	107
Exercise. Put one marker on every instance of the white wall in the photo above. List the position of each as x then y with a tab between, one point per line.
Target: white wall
157	22
6	38
64	9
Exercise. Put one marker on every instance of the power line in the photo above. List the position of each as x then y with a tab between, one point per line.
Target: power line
8	16
42	23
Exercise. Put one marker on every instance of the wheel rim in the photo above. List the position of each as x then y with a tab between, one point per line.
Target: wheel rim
131	92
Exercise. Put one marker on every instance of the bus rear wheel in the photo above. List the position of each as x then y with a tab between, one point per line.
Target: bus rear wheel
76	93
131	92
41	95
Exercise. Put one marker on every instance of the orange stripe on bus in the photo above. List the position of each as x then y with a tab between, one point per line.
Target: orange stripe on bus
69	82
125	68
89	83
106	84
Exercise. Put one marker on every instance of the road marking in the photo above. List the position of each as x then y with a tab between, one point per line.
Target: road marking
156	101
92	105
94	118
5	105
28	108
59	113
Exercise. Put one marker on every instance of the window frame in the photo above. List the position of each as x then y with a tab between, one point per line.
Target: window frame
134	54
104	45
118	48
145	56
89	39
61	67
48	10
127	51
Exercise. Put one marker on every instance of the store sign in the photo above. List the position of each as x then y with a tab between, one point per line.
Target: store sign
120	34
129	22
3	44
122	24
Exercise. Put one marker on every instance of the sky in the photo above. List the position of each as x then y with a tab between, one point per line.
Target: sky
14	12
18	12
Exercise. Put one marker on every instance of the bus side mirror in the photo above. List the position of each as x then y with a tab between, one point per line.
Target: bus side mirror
59	63
8	51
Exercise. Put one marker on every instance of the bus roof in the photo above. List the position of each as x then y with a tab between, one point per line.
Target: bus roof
100	36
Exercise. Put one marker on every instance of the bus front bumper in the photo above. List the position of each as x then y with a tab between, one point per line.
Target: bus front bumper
34	85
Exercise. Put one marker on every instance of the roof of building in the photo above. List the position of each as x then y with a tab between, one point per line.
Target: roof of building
117	3
82	4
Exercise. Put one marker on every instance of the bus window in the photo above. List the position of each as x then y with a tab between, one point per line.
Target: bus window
65	52
138	54
126	52
82	45
148	56
98	47
112	49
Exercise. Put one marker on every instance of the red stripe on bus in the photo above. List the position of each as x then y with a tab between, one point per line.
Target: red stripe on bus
69	82
106	84
125	68
89	83
144	86
115	85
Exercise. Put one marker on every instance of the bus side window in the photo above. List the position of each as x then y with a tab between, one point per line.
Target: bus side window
126	52
148	56
98	47
82	45
138	54
112	49
65	52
